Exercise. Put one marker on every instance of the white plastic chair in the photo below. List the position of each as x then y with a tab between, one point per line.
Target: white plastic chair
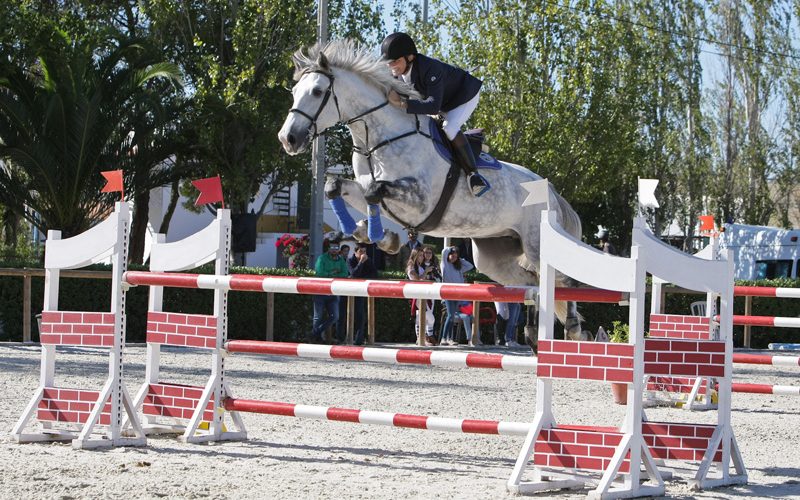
698	308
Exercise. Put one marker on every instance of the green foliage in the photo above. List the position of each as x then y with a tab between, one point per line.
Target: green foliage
620	332
68	116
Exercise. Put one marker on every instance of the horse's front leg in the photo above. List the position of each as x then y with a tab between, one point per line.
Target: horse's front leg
338	191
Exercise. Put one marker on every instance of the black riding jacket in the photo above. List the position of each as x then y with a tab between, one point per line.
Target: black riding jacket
445	87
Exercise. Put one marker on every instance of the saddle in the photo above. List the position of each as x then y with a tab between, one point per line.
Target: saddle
476	140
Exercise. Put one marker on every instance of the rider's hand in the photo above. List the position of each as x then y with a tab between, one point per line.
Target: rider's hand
396	99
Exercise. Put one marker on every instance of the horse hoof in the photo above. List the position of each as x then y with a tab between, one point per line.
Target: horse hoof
360	234
390	243
333	187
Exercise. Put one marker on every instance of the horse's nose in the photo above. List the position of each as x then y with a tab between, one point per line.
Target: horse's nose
291	139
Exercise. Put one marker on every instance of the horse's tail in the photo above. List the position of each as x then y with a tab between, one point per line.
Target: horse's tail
570	220
562	309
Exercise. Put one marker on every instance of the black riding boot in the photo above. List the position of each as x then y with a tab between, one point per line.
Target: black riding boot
463	152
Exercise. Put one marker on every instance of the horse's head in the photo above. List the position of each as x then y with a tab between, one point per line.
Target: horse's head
315	106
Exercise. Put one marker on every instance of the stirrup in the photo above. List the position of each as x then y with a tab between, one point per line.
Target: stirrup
478	185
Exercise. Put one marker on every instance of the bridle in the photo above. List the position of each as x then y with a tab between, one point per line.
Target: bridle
365	151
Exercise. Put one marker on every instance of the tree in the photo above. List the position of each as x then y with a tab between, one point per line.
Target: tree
64	119
236	60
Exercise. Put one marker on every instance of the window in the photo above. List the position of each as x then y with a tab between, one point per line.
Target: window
768	269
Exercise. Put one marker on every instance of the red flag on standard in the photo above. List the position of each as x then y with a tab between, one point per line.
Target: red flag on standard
113	182
210	190
706	223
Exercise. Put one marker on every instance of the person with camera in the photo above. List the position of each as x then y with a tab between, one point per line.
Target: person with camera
361	267
422	266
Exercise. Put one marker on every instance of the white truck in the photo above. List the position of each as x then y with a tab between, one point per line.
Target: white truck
762	252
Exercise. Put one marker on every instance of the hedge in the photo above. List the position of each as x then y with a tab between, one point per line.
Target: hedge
293	313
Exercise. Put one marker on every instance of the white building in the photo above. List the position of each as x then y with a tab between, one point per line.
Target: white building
281	211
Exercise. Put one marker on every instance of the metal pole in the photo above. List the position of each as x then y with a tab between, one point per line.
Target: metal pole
424	13
318	159
748	311
270	316
26	309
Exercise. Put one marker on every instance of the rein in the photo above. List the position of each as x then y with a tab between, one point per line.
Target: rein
435	216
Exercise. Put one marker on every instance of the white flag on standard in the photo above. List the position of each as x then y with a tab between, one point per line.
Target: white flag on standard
538	192
647	193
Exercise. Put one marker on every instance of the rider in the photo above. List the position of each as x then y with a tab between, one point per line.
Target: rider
448	90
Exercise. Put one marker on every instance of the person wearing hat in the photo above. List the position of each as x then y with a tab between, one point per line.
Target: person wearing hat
603	243
326	307
446	90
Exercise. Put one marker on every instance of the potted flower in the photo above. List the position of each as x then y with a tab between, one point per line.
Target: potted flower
295	248
620	333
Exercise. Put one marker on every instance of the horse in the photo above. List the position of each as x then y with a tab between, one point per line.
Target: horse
397	167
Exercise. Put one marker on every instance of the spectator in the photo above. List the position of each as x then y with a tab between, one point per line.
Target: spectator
507	319
453	269
422	266
412	244
465	311
361	267
328	265
377	256
603	244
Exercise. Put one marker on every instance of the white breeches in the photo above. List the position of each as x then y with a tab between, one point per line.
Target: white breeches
455	118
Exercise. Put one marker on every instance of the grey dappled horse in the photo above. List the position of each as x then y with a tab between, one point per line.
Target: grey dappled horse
397	167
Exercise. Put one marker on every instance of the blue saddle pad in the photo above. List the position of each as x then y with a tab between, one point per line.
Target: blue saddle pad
484	160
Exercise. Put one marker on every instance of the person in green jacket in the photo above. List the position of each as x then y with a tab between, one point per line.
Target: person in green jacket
326	307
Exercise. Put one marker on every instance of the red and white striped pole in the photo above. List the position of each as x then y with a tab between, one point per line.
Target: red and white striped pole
766	291
778	390
525	364
365	288
769	321
766	359
774	321
378	417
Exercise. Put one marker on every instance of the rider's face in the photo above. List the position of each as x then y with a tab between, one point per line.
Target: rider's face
398	66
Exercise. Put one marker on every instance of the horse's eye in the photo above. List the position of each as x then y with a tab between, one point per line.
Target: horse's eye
316	92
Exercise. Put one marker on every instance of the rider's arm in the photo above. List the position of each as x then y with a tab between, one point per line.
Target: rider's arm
434	90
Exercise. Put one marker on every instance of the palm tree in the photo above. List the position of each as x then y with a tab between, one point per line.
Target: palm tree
71	115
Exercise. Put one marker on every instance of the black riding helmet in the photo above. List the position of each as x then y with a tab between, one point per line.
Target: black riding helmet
398	45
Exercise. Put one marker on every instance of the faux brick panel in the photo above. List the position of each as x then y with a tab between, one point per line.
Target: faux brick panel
70	406
579	447
678	441
681	385
87	329
684	358
601	361
186	330
175	401
679	327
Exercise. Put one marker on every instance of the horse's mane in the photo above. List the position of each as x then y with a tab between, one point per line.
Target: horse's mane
348	55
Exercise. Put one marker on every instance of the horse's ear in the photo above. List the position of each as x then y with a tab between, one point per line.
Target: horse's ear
297	71
322	61
299	63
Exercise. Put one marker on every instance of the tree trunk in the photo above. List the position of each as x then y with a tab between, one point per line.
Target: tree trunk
173	202
141	210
